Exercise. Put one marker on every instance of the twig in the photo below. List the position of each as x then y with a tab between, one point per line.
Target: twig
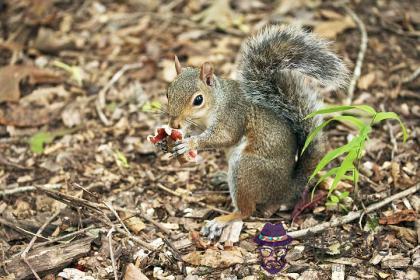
101	100
74	233
20	229
147	218
360	56
354	215
111	252
106	221
177	255
4	161
109	205
412	77
95	207
31	243
29	188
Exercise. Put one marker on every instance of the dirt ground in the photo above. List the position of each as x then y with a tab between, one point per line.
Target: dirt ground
84	195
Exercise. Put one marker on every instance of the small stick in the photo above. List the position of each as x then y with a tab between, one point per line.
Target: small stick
136	213
31	243
101	100
412	77
74	233
29	188
132	237
177	255
6	162
354	215
111	252
360	56
109	205
20	229
71	200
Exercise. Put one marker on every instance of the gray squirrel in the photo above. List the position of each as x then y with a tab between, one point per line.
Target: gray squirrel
259	118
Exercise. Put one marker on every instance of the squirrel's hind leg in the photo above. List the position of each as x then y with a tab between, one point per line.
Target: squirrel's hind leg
244	199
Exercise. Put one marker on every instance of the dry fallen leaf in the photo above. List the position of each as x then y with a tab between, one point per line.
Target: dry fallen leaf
286	6
48	40
198	241
406	215
395	172
215	258
219	13
330	14
366	81
330	29
27	116
134	273
11	76
168	71
135	224
406	233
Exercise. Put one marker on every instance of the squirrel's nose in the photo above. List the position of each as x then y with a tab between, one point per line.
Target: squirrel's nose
174	123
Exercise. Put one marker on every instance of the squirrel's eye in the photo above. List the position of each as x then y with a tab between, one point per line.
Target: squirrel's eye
198	100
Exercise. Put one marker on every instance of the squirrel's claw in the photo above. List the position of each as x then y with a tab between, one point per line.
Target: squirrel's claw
180	148
213	229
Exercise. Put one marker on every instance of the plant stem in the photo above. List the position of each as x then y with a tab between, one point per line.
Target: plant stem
359	159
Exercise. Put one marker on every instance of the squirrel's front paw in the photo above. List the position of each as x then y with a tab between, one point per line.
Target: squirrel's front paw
213	229
180	148
183	146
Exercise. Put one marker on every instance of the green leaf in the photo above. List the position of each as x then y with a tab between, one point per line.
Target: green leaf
37	141
355	175
313	133
121	159
344	195
335	109
334	199
330	172
111	106
334	154
344	208
151	106
345	166
372	223
331	204
391	115
75	71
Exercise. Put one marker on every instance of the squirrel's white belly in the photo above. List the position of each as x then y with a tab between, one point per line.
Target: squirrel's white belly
233	155
235	151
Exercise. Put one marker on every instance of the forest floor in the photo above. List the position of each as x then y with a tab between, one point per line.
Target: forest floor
84	194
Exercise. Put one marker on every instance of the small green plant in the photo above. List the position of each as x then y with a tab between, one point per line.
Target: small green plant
39	139
352	151
151	106
337	200
120	159
75	71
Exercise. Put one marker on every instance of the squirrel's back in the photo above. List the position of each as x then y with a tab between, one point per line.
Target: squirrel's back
273	70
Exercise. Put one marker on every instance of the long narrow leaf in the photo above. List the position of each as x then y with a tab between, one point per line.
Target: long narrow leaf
346	165
335	109
391	115
330	172
314	132
355	176
334	154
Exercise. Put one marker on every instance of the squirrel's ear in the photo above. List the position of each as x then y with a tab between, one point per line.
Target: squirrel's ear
177	66
206	73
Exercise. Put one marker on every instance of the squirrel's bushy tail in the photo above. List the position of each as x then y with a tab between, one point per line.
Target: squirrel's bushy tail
272	69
